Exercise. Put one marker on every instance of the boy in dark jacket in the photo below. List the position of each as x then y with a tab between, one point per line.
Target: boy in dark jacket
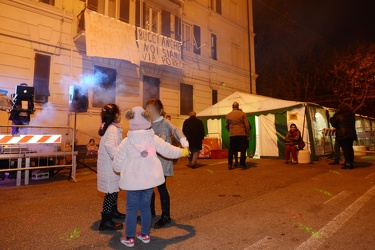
194	132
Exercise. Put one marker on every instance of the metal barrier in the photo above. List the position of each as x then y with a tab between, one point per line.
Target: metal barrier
41	147
327	132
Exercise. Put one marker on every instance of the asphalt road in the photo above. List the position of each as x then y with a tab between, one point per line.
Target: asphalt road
268	206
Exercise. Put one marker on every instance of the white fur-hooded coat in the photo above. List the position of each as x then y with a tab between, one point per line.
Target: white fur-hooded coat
107	179
137	172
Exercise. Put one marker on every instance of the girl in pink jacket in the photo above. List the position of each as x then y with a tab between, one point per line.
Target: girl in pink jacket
140	171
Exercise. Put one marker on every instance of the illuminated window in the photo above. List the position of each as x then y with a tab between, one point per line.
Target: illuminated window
105	88
151	19
118	9
186	98
41	77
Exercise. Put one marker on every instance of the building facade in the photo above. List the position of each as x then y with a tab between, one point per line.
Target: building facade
49	44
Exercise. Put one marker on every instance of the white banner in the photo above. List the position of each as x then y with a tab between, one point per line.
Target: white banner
158	49
110	38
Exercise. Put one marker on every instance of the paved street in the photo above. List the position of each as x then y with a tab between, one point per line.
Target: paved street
268	206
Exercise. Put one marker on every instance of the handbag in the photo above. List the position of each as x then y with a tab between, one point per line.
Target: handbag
300	145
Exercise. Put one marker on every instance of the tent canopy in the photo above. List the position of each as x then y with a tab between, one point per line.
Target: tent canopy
250	104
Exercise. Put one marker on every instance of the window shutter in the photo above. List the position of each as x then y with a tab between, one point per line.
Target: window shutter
197	39
218	6
124	10
138	13
177	28
166	23
213	47
92	5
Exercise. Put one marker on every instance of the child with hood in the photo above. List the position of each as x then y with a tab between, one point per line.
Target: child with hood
111	136
140	171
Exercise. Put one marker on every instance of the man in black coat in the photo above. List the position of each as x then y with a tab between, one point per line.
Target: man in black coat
194	131
344	123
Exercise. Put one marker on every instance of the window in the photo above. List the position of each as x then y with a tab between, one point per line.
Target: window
50	2
41	77
151	88
197	40
186	98
166	23
177	28
105	89
150	19
124	10
213	47
138	13
214	97
118	9
96	5
215	5
187	40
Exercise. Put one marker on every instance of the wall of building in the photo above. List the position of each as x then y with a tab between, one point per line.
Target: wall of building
28	27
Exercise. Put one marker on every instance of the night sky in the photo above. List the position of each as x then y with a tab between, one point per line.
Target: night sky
287	30
339	21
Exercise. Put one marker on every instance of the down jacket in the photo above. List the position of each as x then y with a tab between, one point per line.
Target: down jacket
107	179
139	172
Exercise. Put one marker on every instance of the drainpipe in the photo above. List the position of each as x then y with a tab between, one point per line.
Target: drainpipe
249	46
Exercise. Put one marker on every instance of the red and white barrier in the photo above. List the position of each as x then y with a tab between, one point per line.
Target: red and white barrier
29	139
329	132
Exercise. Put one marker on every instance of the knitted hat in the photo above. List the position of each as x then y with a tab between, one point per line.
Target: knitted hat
139	118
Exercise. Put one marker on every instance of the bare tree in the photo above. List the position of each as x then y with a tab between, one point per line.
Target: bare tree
352	75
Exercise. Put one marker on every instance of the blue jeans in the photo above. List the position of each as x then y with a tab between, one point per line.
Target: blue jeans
139	200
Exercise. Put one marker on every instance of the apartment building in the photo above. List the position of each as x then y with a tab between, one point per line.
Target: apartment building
188	53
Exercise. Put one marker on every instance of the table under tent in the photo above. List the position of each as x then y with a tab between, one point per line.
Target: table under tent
270	119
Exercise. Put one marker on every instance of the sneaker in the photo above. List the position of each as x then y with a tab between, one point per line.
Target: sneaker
129	242
144	238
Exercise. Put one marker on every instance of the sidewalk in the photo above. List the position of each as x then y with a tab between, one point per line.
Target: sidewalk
212	208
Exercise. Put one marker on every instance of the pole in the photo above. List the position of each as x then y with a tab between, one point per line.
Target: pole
249	45
73	171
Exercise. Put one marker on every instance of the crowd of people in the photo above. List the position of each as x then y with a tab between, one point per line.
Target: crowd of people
144	159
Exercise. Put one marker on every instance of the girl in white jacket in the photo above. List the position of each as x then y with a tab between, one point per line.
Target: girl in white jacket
111	134
140	171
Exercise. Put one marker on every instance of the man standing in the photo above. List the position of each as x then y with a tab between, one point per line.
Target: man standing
344	123
194	131
239	132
